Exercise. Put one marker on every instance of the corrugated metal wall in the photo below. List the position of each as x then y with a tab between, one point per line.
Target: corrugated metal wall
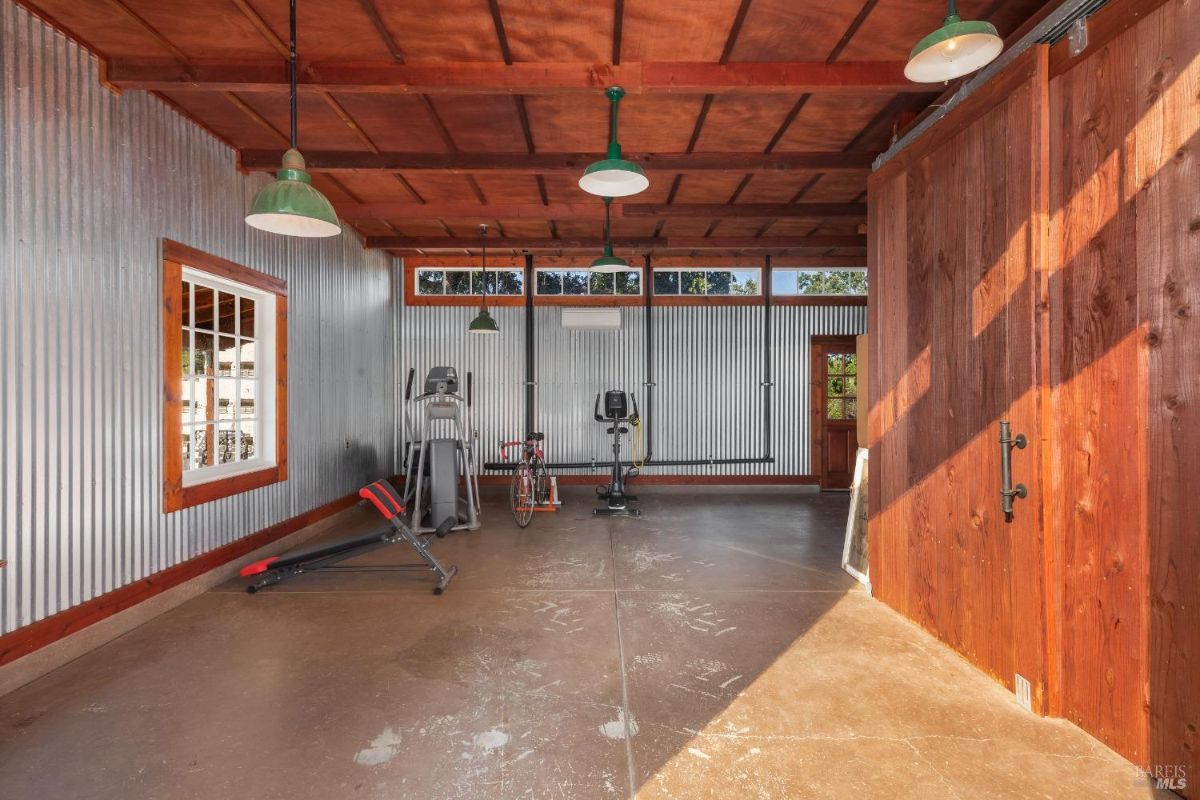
89	183
708	367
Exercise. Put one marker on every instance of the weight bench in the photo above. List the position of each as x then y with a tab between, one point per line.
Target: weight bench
380	494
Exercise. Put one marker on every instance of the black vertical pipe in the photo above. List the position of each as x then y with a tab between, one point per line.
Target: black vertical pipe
529	350
292	70
648	400
767	382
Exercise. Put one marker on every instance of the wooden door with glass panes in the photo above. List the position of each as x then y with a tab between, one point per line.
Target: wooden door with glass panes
834	410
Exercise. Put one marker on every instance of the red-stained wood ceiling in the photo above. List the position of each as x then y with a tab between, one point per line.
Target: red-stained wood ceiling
756	119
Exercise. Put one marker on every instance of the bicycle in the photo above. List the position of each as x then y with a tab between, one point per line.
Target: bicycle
530	486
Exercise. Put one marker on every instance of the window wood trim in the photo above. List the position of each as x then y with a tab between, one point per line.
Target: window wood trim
176	496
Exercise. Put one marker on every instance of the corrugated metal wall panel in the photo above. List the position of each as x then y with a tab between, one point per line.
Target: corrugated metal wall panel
91	182
708	367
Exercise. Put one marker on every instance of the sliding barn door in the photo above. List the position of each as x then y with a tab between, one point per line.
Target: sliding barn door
954	319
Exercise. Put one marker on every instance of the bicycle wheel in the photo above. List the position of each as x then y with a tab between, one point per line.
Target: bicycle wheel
541	481
521	495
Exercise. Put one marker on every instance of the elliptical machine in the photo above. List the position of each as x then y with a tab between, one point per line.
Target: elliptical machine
616	411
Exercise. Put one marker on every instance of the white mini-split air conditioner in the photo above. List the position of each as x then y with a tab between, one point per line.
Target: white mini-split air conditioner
591	319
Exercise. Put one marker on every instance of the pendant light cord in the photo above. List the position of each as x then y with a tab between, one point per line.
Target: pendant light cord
292	70
952	8
483	274
607	226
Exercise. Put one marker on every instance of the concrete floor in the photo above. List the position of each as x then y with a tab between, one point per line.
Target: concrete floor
711	649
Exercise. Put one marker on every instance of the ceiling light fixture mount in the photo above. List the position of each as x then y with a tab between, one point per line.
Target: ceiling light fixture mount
608	262
958	48
614	176
290	205
484	323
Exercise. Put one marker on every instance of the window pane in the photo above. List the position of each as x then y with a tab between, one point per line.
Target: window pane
200	441
203	360
226	396
458	282
247	397
549	282
246	309
226	443
226	356
851	408
602	283
835	363
693	283
249	360
429	281
186	305
719	282
851	364
831	281
506	282
205	399
666	283
834	408
851	386
186	441
575	283
744	281
836	386
204	307
629	282
247	444
227	308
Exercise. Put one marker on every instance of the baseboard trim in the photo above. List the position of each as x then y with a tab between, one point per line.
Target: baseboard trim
44	632
673	480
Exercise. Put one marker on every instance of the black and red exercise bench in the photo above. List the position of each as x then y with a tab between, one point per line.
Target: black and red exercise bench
380	494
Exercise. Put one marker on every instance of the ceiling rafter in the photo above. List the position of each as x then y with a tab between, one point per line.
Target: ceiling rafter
548	78
389	41
546	163
153	32
263	28
595	211
855	24
618	24
430	243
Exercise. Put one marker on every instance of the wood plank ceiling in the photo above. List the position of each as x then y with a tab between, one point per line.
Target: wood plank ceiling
756	120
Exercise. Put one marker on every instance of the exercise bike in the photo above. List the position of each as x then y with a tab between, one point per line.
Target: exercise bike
616	411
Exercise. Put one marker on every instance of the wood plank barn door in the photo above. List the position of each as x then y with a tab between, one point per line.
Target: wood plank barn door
955	320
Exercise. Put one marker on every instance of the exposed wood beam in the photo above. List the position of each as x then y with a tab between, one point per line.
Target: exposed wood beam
547	163
151	31
349	120
592	211
787	123
263	28
501	34
368	7
734	31
742	210
618	24
261	120
863	13
796	77
433	243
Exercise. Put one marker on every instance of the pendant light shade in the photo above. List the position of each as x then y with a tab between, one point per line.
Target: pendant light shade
483	322
957	48
608	262
290	205
614	176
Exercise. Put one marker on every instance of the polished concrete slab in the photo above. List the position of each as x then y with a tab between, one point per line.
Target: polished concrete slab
711	648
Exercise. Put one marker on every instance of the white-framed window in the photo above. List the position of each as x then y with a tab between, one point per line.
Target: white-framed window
832	282
552	282
698	281
468	281
227	378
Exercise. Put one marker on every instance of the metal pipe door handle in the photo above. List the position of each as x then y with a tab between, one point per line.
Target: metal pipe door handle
1008	492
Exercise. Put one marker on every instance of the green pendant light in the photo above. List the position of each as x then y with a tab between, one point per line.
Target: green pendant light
957	48
608	262
483	322
290	205
614	176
